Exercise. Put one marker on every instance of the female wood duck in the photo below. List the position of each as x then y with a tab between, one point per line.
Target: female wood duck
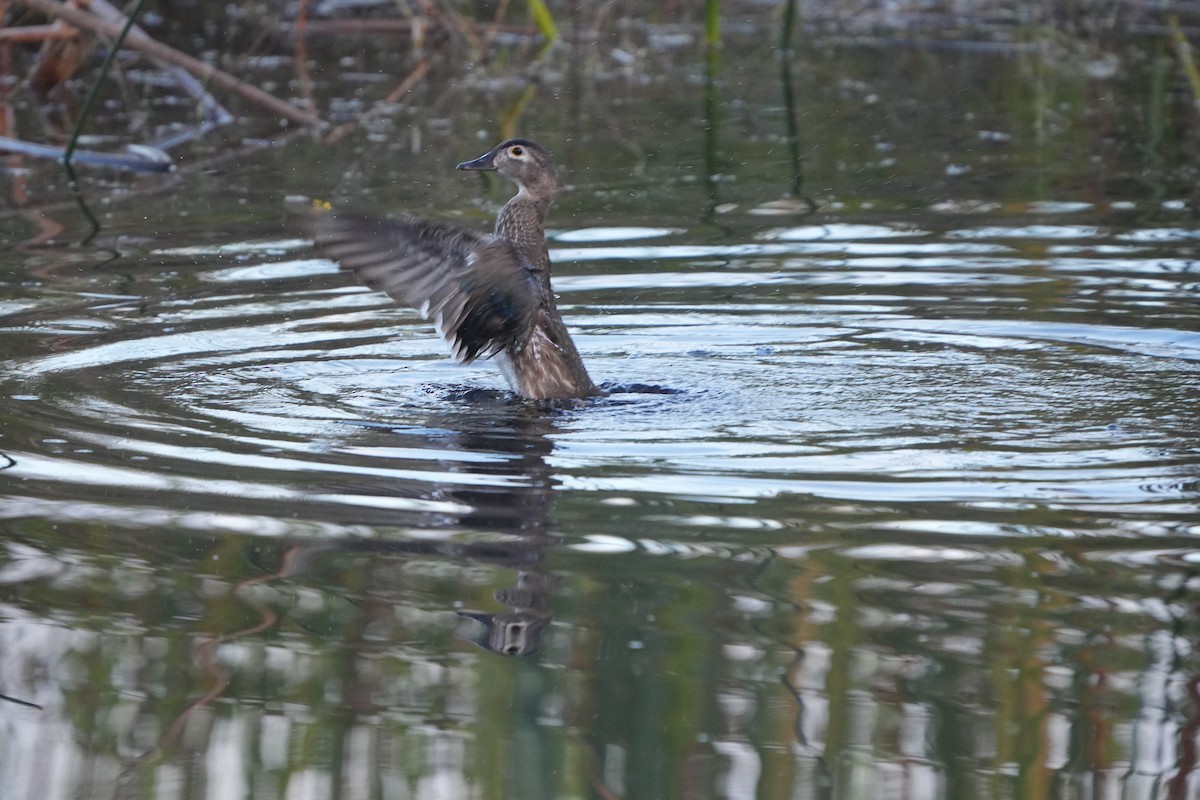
488	295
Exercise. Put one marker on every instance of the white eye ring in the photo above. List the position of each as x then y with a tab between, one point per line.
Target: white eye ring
516	151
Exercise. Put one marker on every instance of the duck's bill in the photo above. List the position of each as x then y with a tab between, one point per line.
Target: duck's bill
485	163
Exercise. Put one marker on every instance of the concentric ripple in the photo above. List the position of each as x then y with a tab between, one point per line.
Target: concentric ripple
1012	366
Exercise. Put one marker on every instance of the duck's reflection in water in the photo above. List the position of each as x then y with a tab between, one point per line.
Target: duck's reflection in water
504	491
517	632
496	470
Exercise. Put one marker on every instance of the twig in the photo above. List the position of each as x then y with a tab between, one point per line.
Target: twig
25	703
47	229
300	60
203	71
57	60
406	85
36	33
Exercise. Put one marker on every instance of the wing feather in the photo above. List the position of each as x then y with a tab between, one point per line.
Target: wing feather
476	288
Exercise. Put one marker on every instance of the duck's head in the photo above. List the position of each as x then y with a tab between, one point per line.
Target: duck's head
524	161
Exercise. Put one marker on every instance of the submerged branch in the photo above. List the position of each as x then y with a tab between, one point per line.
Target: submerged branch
140	159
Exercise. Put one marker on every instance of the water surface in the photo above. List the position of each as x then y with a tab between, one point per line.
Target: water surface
893	499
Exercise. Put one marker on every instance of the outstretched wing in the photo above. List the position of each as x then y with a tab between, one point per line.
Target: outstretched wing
475	287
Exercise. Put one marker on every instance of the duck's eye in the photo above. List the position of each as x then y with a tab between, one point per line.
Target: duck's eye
516	150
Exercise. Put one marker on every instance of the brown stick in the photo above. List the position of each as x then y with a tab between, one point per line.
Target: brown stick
203	71
36	33
300	60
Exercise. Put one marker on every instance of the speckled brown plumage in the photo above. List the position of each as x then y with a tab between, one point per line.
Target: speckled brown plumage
489	295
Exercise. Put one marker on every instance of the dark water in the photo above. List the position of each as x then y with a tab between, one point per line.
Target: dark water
896	499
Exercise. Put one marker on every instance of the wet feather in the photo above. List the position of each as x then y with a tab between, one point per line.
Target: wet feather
487	295
475	288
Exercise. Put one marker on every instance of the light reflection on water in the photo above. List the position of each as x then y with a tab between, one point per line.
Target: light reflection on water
895	499
889	505
923	513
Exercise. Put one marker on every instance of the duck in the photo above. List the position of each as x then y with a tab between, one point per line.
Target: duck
488	295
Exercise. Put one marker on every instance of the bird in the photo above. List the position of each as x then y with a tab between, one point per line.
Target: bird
489	295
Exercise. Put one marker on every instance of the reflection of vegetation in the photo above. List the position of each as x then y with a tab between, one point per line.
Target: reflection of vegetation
999	665
785	72
712	102
789	105
1007	670
1183	52
510	120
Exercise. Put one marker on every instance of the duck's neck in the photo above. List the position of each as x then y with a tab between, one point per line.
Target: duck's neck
522	221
